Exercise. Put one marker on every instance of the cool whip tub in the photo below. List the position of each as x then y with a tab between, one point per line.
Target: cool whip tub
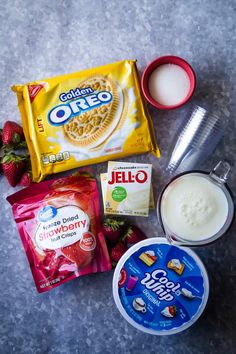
159	288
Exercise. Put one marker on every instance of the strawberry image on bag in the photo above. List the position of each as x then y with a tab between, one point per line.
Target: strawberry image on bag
59	225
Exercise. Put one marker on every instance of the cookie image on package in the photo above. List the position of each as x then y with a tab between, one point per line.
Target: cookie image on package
92	127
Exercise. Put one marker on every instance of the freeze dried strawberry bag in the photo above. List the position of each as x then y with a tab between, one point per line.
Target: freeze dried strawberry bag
59	225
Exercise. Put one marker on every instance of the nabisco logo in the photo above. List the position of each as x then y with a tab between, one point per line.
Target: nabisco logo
34	90
141	176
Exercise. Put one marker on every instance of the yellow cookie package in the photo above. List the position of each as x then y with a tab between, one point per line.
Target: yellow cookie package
83	118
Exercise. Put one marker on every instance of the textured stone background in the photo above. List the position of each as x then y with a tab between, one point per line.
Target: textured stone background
45	38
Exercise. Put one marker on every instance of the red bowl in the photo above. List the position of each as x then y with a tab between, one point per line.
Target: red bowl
167	59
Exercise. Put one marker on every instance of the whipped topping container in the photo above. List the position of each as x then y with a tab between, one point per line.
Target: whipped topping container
170	291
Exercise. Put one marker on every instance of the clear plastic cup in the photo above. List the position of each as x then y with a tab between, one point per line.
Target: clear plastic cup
195	140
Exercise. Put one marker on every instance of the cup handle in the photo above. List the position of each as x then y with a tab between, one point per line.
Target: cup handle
220	172
173	241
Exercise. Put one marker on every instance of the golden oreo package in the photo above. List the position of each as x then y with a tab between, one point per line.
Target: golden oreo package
84	118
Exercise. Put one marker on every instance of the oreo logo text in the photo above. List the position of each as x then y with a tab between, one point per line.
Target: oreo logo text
62	113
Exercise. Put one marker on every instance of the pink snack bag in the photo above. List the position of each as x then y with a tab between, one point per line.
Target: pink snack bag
59	225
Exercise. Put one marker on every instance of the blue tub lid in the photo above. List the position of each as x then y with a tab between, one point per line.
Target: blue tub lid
160	288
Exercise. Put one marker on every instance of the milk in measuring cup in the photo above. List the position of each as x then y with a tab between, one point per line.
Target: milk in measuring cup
194	208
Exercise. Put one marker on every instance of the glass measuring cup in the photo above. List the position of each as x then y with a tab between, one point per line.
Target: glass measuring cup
196	208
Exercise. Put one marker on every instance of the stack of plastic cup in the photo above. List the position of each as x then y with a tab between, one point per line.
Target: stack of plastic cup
197	139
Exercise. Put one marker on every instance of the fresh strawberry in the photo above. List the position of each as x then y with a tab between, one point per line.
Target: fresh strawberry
26	179
113	228
172	310
0	138
133	235
117	252
12	133
13	167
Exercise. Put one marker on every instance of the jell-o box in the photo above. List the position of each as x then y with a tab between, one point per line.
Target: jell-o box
103	178
128	188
